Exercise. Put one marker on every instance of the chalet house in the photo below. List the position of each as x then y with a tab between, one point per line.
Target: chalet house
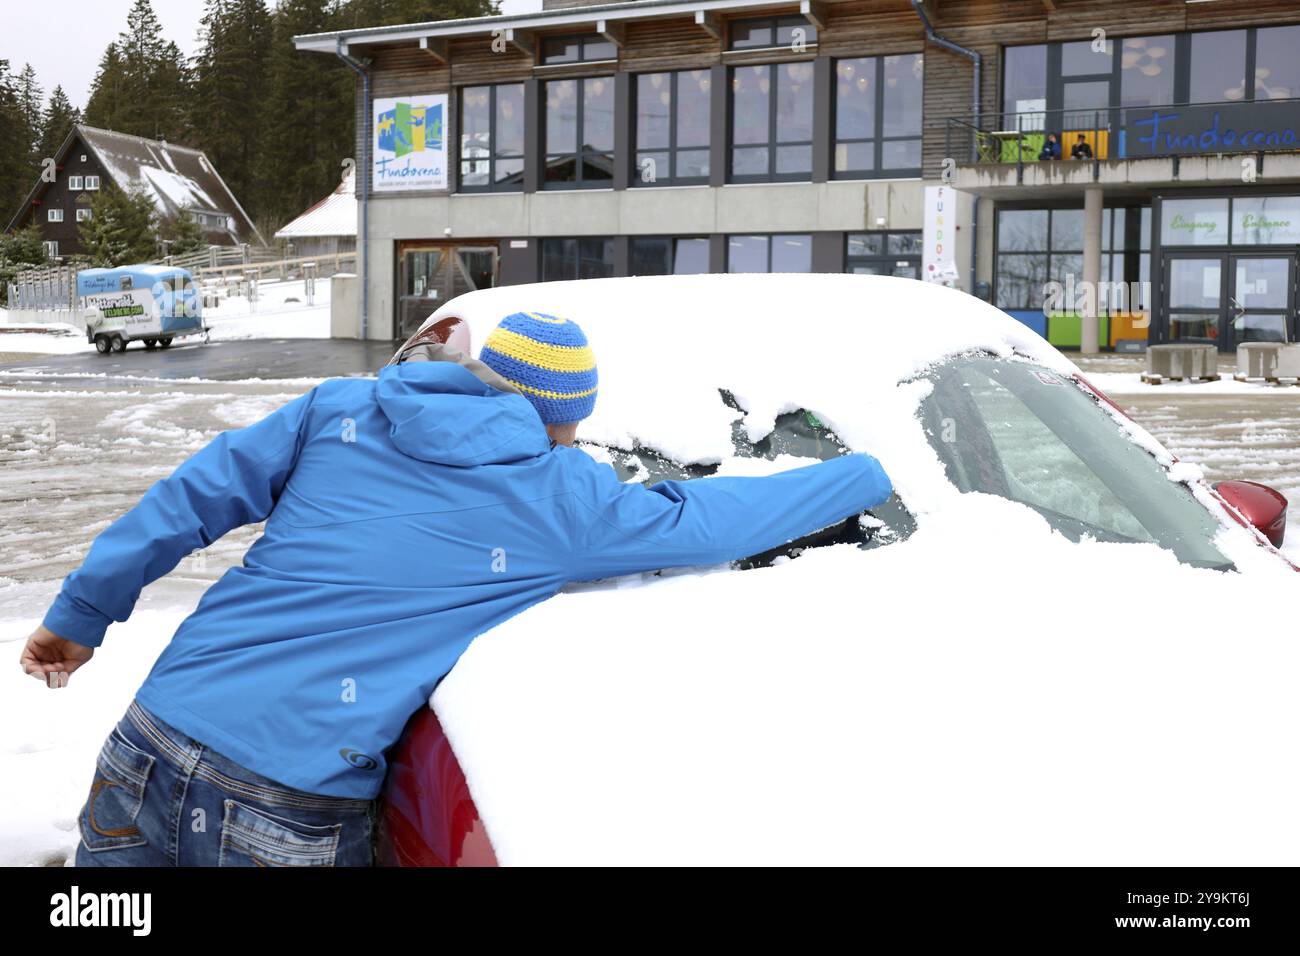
179	180
327	228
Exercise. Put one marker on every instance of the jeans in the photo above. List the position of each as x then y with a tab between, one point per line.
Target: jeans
161	798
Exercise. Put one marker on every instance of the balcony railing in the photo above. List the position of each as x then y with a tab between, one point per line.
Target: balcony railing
1130	132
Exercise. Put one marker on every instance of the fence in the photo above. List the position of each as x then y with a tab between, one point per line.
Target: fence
49	294
48	287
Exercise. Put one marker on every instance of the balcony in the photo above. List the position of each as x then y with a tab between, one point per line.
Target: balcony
1134	148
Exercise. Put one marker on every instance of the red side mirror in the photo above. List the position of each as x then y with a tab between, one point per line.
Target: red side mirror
1263	507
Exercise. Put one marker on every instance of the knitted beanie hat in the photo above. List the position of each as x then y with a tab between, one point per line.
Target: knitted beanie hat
548	359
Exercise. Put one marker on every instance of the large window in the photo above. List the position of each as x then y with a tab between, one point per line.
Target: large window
779	253
1218	68
583	258
1277	63
878	115
1146	71
492	137
1214	66
884	254
672	128
771	122
662	255
1024	83
1038	246
580	133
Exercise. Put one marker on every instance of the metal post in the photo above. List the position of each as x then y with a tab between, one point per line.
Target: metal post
1091	325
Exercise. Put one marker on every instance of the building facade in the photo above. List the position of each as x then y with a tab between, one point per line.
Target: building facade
1110	173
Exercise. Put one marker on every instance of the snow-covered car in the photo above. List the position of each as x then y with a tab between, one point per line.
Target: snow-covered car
1055	644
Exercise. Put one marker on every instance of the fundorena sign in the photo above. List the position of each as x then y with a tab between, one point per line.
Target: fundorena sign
410	143
1221	128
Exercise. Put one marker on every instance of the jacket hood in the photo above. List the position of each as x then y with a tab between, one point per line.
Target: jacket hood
441	412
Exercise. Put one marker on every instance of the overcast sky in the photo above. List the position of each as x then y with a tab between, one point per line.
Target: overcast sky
64	41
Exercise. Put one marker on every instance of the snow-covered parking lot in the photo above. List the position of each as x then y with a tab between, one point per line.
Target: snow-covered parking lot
76	451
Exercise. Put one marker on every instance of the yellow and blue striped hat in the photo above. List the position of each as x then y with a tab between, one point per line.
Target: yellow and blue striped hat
547	358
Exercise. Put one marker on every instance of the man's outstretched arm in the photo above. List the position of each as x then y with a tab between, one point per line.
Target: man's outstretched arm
233	480
631	528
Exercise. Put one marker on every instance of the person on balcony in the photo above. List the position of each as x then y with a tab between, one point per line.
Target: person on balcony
1051	148
1081	149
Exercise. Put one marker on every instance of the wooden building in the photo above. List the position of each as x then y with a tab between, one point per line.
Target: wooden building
894	136
179	180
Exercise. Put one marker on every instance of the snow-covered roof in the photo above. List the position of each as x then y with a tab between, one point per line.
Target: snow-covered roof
177	179
967	695
335	215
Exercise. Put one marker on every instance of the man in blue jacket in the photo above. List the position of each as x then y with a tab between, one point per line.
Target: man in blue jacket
404	515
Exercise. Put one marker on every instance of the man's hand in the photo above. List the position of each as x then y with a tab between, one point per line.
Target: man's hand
51	658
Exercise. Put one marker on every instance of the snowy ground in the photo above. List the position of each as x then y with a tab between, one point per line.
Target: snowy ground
280	312
74	454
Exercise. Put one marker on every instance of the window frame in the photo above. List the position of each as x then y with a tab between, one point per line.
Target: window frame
77	183
884	257
1116	252
774	22
491	186
772	144
878	139
577	260
770	237
583	39
672	149
580	155
92	186
79	211
674	240
53	214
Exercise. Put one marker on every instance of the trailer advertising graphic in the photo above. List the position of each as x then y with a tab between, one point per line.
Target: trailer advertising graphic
410	145
135	308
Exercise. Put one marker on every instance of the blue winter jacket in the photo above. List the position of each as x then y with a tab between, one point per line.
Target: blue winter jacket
404	515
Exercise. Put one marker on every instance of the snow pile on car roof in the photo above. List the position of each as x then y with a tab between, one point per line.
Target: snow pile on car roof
952	699
664	345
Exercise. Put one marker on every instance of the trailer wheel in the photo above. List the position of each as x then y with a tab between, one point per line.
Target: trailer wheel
103	344
165	342
150	344
119	344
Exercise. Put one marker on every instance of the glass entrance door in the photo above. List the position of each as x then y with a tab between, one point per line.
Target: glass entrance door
430	274
1261	299
1195	297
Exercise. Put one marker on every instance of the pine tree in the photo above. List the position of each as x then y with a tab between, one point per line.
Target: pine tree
30	101
142	86
14	181
183	234
226	110
108	92
59	118
308	117
122	228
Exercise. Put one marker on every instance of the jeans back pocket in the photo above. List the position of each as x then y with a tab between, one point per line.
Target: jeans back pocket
252	837
108	818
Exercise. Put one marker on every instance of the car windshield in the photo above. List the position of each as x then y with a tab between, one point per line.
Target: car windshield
1020	431
799	434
